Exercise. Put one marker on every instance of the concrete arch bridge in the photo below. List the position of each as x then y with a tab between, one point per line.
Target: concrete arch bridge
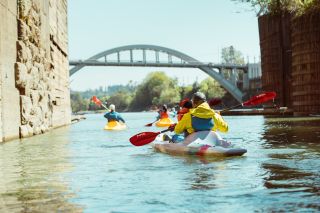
156	56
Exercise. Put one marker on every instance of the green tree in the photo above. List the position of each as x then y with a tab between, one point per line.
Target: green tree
296	7
211	88
230	55
156	89
121	100
78	103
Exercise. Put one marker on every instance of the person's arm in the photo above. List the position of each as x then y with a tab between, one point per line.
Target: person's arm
219	123
106	115
120	118
182	124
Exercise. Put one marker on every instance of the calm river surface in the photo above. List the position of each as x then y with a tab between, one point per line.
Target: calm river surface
82	168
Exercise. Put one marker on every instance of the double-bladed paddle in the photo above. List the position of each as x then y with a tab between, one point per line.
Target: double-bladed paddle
150	124
255	100
144	138
97	101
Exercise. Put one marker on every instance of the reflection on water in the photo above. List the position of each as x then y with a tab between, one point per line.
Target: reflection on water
295	169
84	168
30	180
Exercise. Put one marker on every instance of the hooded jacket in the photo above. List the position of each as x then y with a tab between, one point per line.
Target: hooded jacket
113	116
202	111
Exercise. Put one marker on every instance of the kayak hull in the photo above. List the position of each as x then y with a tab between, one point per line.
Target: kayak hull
115	125
205	143
164	122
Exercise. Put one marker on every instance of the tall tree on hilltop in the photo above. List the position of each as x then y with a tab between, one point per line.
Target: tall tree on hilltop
211	88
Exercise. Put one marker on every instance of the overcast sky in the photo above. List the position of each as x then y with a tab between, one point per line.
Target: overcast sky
198	28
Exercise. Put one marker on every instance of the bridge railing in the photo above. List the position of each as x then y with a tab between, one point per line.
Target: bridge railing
191	64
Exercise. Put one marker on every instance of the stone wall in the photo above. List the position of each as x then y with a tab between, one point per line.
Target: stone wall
36	67
9	99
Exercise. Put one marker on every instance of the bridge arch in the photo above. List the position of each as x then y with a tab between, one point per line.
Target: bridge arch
229	86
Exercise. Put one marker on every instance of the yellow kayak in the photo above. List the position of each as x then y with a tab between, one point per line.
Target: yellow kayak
115	125
164	122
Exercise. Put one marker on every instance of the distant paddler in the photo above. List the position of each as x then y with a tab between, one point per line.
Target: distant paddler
115	120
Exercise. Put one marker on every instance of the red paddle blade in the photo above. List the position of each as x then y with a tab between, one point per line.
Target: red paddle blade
258	99
96	100
143	138
214	101
150	124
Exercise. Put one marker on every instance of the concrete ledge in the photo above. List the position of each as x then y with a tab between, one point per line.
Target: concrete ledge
275	112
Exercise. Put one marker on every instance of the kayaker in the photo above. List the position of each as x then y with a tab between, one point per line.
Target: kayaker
185	105
112	115
173	112
200	118
163	112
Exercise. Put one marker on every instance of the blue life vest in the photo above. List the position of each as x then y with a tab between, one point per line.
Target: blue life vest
113	116
201	124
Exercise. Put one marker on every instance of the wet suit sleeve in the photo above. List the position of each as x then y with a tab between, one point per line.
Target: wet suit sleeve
106	115
182	124
120	118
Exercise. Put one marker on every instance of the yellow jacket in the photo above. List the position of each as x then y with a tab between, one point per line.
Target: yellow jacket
202	111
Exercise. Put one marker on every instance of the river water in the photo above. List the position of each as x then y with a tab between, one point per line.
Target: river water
82	168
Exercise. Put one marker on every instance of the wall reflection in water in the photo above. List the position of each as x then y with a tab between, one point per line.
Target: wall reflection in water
33	174
292	163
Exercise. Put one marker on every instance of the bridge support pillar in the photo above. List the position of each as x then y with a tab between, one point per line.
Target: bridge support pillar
245	81
233	77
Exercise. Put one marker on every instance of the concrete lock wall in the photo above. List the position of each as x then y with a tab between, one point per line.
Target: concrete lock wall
35	95
10	104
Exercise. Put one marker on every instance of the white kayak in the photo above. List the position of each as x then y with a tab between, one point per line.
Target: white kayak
203	143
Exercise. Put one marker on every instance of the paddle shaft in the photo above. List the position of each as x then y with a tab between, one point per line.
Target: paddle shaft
104	106
258	99
150	124
233	107
166	130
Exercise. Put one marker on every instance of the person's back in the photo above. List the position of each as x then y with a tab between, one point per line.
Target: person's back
113	115
200	118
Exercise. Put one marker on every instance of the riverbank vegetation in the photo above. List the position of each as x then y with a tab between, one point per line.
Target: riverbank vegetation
295	7
156	89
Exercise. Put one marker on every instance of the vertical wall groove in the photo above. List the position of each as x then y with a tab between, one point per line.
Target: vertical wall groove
306	64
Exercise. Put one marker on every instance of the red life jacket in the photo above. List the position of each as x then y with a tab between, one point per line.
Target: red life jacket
163	115
181	112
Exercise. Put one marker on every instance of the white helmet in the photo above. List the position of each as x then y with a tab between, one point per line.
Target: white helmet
112	107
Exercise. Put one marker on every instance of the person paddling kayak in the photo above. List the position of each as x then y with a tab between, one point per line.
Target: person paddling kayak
200	118
112	115
163	112
185	106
